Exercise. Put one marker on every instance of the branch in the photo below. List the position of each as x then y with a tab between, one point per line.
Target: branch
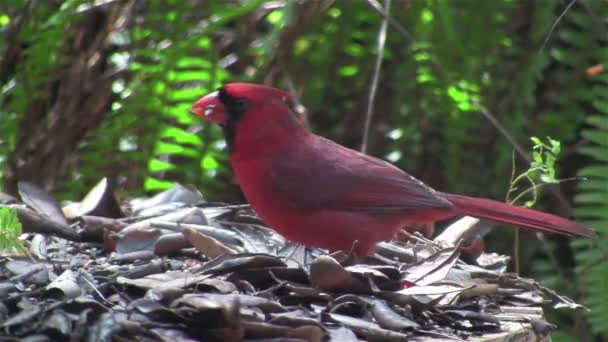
555	191
34	222
555	25
394	23
377	68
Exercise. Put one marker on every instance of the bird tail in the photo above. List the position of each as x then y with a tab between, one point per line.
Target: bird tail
523	217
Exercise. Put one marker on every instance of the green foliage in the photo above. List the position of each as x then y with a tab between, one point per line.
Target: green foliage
541	171
544	157
150	128
455	54
592	207
10	230
44	31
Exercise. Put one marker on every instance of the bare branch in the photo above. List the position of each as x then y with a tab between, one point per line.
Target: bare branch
376	77
394	23
501	129
486	113
561	16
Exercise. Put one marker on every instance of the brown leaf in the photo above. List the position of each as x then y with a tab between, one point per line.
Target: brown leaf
201	300
371	331
41	201
170	243
137	240
99	201
161	281
166	201
387	317
233	262
327	274
431	269
207	245
66	284
442	294
310	333
94	227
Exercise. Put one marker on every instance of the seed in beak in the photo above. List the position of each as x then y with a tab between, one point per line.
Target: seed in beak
209	110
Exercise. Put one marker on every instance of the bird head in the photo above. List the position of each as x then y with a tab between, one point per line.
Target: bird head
248	112
234	101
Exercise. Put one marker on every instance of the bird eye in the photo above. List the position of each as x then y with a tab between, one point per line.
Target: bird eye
209	110
241	104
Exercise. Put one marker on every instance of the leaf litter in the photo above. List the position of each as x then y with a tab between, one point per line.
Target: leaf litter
174	267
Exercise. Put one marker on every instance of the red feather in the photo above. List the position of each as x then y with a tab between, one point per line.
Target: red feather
319	193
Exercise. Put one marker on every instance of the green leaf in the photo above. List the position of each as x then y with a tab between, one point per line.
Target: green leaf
10	230
181	137
4	20
599	153
185	94
354	50
155	165
167	148
190	76
591	197
349	70
598	121
536	141
457	95
153	184
596	136
209	163
555	146
275	17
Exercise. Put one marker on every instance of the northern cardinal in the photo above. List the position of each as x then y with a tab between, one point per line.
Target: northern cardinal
318	193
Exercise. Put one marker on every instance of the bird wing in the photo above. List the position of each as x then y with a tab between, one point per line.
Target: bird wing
319	173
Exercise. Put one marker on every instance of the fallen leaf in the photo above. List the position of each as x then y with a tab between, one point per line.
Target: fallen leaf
207	245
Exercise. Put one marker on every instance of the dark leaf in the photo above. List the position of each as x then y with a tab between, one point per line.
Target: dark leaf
41	201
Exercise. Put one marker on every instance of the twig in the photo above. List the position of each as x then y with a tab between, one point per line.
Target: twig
377	68
561	16
34	222
298	106
30	272
555	191
92	286
500	128
484	111
394	23
94	6
516	245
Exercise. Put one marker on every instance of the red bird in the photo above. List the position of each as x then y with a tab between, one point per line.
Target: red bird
318	193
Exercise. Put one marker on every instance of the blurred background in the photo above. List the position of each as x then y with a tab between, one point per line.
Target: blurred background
92	89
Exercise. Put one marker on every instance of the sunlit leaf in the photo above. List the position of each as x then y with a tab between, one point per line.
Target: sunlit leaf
180	136
152	184
275	17
349	70
155	165
4	20
209	163
426	15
